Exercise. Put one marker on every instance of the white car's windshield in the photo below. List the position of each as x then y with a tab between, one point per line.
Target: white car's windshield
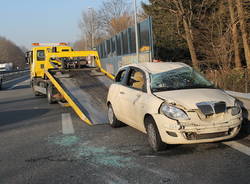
181	78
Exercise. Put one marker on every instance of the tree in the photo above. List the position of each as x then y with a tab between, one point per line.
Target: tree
209	28
118	24
115	16
90	27
243	27
213	35
10	52
183	16
97	25
141	14
169	46
234	34
80	44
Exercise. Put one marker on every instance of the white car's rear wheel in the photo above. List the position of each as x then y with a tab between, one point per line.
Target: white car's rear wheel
154	138
113	121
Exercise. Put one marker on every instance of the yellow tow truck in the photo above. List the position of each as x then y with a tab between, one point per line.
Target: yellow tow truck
37	60
58	72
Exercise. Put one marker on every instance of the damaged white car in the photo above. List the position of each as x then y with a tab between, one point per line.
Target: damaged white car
173	104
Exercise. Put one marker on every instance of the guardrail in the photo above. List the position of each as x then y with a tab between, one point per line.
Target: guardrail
12	72
245	100
6	76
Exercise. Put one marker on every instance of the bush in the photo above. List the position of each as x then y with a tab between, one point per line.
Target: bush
230	79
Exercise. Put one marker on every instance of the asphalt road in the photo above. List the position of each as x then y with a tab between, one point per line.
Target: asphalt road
42	143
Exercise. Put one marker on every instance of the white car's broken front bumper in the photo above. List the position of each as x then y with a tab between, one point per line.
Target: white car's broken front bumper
173	132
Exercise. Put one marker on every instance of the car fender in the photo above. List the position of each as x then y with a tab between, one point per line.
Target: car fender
152	108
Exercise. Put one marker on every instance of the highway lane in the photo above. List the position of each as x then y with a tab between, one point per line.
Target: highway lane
42	143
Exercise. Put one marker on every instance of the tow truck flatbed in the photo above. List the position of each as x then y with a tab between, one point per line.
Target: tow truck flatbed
75	77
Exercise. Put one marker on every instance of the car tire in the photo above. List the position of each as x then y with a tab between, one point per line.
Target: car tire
113	121
1	83
50	98
154	137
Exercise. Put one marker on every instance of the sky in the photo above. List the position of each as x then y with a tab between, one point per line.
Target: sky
28	21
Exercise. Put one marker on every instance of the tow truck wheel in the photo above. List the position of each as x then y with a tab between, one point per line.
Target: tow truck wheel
154	138
50	98
113	121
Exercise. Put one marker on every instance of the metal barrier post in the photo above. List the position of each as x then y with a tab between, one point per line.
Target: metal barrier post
136	31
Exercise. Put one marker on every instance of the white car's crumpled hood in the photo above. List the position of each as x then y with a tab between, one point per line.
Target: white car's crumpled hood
188	98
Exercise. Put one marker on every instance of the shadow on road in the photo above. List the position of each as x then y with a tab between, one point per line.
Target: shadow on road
15	87
17	116
174	150
20	100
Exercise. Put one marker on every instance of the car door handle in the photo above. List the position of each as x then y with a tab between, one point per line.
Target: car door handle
122	93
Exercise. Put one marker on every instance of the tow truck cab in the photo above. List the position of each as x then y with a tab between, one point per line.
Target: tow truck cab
38	60
37	57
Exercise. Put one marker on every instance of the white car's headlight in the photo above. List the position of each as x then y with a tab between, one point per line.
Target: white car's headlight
173	112
236	109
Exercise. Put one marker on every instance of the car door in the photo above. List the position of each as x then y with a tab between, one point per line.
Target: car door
132	97
115	95
39	57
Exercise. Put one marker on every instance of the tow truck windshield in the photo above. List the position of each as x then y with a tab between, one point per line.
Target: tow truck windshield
181	78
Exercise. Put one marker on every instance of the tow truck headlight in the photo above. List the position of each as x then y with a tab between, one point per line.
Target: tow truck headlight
236	109
173	112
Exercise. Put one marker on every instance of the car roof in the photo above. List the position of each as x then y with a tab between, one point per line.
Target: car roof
153	68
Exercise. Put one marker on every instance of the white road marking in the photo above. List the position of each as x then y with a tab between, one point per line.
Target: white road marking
67	125
240	147
12	87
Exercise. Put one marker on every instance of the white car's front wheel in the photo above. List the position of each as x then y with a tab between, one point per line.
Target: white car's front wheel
113	121
154	138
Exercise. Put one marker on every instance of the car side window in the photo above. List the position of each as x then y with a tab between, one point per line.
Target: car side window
137	80
120	76
40	55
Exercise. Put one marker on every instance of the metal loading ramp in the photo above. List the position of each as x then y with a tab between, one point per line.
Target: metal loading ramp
88	90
